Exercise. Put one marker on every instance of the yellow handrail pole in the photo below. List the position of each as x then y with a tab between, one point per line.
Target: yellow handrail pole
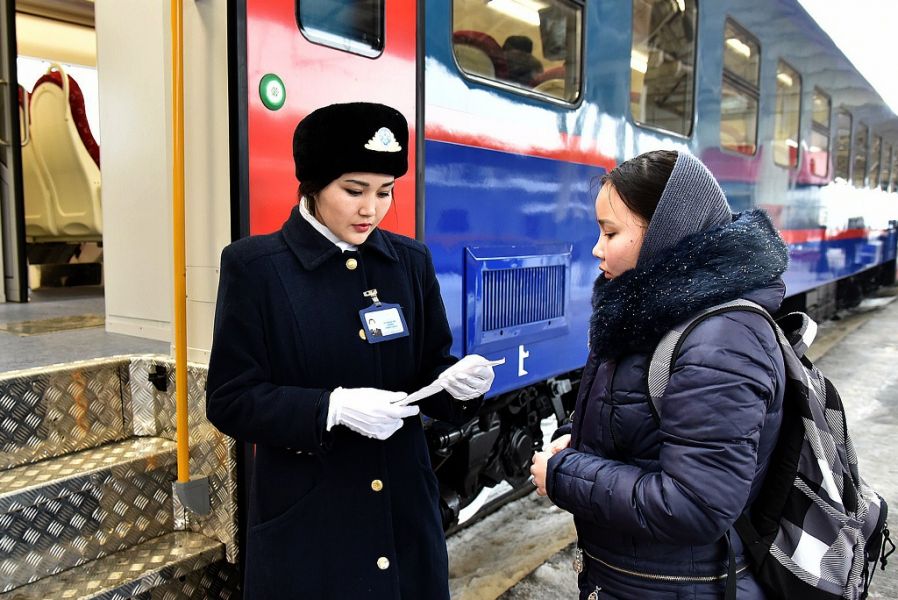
180	267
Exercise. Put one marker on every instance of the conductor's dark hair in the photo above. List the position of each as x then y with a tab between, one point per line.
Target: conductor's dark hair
311	189
640	181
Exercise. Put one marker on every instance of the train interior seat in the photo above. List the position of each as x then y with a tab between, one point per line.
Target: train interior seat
551	81
478	53
66	151
40	220
733	138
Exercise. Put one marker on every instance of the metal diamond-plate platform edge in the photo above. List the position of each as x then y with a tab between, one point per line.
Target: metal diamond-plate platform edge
40	483
77	364
71	510
212	454
61	409
130	573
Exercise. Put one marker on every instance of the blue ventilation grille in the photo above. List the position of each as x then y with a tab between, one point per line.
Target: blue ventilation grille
519	296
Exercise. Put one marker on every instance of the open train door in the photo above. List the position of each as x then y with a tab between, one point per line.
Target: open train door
12	206
299	55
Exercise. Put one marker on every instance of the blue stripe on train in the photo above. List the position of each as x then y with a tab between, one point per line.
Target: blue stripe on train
813	264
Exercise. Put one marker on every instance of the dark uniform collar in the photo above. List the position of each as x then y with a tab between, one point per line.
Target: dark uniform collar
313	249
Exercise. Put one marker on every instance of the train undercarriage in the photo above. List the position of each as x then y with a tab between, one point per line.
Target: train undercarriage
486	462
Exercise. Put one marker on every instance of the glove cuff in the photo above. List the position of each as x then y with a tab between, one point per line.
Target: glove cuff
334	409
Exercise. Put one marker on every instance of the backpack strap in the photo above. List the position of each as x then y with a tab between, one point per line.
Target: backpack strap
732	576
752	543
662	358
800	327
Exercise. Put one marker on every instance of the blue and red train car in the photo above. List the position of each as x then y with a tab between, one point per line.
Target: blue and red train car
516	107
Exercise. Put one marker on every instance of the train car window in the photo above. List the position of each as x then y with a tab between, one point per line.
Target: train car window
739	90
788	107
887	157
860	156
843	145
662	64
355	26
818	150
741	54
874	161
534	46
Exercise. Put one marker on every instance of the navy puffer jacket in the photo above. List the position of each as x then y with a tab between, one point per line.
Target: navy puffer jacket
653	503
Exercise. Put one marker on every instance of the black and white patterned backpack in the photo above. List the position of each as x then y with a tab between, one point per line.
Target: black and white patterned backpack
816	530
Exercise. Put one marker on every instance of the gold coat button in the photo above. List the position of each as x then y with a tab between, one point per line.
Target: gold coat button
383	563
351	264
362	334
377	485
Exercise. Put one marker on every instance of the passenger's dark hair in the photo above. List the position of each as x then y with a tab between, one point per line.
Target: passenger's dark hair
640	181
521	43
311	189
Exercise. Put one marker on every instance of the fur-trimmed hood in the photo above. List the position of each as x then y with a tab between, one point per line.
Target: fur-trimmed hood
634	310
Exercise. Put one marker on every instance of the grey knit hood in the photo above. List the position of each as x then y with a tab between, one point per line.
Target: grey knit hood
692	202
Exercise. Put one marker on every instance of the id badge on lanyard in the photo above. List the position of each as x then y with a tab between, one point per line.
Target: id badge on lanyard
382	322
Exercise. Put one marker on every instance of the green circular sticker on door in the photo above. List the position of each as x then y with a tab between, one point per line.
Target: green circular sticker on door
272	91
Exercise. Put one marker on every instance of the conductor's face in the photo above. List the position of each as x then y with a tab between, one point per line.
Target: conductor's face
352	205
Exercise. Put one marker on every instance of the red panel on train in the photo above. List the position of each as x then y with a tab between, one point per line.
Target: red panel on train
315	75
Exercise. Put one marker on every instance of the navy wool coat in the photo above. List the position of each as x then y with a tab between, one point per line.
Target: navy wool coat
331	514
653	499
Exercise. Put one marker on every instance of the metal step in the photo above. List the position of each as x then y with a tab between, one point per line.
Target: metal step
70	510
176	565
53	411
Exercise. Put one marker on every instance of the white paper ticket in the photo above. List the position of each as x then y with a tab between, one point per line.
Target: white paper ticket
433	388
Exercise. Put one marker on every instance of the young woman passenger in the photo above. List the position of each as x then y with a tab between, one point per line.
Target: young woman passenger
654	503
342	500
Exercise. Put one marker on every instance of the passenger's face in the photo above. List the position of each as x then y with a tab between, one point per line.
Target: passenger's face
352	205
621	232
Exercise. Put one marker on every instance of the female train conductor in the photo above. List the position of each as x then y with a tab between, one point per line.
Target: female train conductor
343	502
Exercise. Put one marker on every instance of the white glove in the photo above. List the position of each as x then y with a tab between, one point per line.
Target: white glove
368	411
469	378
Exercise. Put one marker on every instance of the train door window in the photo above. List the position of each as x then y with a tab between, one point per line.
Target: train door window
531	46
662	64
843	145
348	25
739	90
887	156
860	155
874	161
818	150
788	106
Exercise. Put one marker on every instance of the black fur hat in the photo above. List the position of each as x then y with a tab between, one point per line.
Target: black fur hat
345	138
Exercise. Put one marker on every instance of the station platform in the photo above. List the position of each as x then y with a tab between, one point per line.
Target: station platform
62	325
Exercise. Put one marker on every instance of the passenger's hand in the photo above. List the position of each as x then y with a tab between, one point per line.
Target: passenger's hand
469	378
559	444
368	411
540	462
